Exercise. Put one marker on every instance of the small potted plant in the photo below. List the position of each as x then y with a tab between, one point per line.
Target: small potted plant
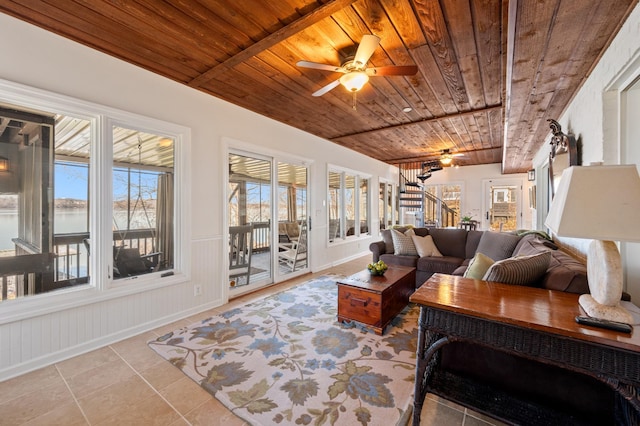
466	218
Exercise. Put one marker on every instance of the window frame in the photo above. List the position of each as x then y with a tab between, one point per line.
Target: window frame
387	201
100	286
342	197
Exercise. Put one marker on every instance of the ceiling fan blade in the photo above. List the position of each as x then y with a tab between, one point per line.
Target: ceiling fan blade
368	45
393	70
317	66
327	88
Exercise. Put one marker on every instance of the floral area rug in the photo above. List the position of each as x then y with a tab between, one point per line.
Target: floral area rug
286	360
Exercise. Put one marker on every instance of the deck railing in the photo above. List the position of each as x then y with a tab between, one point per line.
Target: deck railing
73	250
261	236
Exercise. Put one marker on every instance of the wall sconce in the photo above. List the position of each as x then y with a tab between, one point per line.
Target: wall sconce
4	164
531	174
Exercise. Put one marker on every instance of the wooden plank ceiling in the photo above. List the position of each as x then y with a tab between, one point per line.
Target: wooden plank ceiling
491	72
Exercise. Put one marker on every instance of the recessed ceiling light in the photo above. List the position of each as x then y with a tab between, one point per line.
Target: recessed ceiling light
407	109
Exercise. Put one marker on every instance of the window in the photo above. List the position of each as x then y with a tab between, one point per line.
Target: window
143	166
363	206
335	204
386	205
55	189
348	206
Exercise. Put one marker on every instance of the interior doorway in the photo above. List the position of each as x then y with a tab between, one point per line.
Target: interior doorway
502	205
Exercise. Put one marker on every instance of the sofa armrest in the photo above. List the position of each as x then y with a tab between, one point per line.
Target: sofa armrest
377	248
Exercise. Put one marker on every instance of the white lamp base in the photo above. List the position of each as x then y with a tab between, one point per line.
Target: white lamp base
606	312
604	272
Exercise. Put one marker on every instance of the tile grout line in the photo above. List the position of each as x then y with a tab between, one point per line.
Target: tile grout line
151	386
73	395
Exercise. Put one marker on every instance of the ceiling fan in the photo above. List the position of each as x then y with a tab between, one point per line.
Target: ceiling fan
354	68
446	157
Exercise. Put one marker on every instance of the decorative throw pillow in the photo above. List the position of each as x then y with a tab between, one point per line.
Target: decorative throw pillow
425	246
402	244
497	245
520	270
478	266
388	241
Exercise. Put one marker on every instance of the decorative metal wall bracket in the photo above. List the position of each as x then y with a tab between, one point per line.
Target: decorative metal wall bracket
561	143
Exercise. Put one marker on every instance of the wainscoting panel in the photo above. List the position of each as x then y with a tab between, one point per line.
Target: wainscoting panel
35	342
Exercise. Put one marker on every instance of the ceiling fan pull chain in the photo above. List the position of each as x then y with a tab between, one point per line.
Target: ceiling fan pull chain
354	102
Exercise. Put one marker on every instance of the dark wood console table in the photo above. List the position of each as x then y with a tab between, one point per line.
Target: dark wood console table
528	322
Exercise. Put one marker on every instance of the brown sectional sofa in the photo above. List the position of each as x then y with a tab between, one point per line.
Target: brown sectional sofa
584	399
458	247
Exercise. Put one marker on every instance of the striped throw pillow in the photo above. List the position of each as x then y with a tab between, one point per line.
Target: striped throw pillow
519	270
403	244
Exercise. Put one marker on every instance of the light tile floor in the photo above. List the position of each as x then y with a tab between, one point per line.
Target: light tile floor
126	383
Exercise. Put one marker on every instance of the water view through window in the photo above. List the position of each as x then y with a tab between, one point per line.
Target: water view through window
45	202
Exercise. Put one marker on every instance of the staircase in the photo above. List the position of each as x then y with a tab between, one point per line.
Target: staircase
415	199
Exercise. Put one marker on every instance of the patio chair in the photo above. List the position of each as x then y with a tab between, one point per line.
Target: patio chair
240	247
296	252
334	228
128	262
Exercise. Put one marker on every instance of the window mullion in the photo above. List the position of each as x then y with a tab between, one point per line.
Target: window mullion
100	202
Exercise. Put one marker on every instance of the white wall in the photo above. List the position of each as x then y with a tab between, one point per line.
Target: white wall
473	179
597	117
45	61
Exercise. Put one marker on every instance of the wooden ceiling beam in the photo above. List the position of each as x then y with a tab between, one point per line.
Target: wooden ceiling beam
276	37
423	121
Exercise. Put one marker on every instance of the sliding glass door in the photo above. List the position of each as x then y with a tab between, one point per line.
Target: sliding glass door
293	227
267	218
249	215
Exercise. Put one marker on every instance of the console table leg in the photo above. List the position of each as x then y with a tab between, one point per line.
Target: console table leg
428	345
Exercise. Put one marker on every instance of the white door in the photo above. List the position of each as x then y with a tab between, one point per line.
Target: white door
502	204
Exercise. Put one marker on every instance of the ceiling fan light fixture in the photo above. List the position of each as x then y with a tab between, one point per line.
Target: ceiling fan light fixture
446	159
354	81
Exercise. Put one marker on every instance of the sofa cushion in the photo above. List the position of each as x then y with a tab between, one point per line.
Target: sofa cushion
528	246
450	242
392	259
473	239
403	244
442	265
497	245
478	266
460	270
566	273
421	232
532	243
387	240
425	246
521	270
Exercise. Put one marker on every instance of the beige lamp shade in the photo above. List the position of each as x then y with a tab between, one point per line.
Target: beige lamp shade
597	202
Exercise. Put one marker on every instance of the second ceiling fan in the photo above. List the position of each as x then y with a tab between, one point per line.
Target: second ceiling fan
354	68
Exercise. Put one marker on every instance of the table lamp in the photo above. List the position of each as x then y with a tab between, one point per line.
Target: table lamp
601	203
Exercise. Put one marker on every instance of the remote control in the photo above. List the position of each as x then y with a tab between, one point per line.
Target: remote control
611	325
